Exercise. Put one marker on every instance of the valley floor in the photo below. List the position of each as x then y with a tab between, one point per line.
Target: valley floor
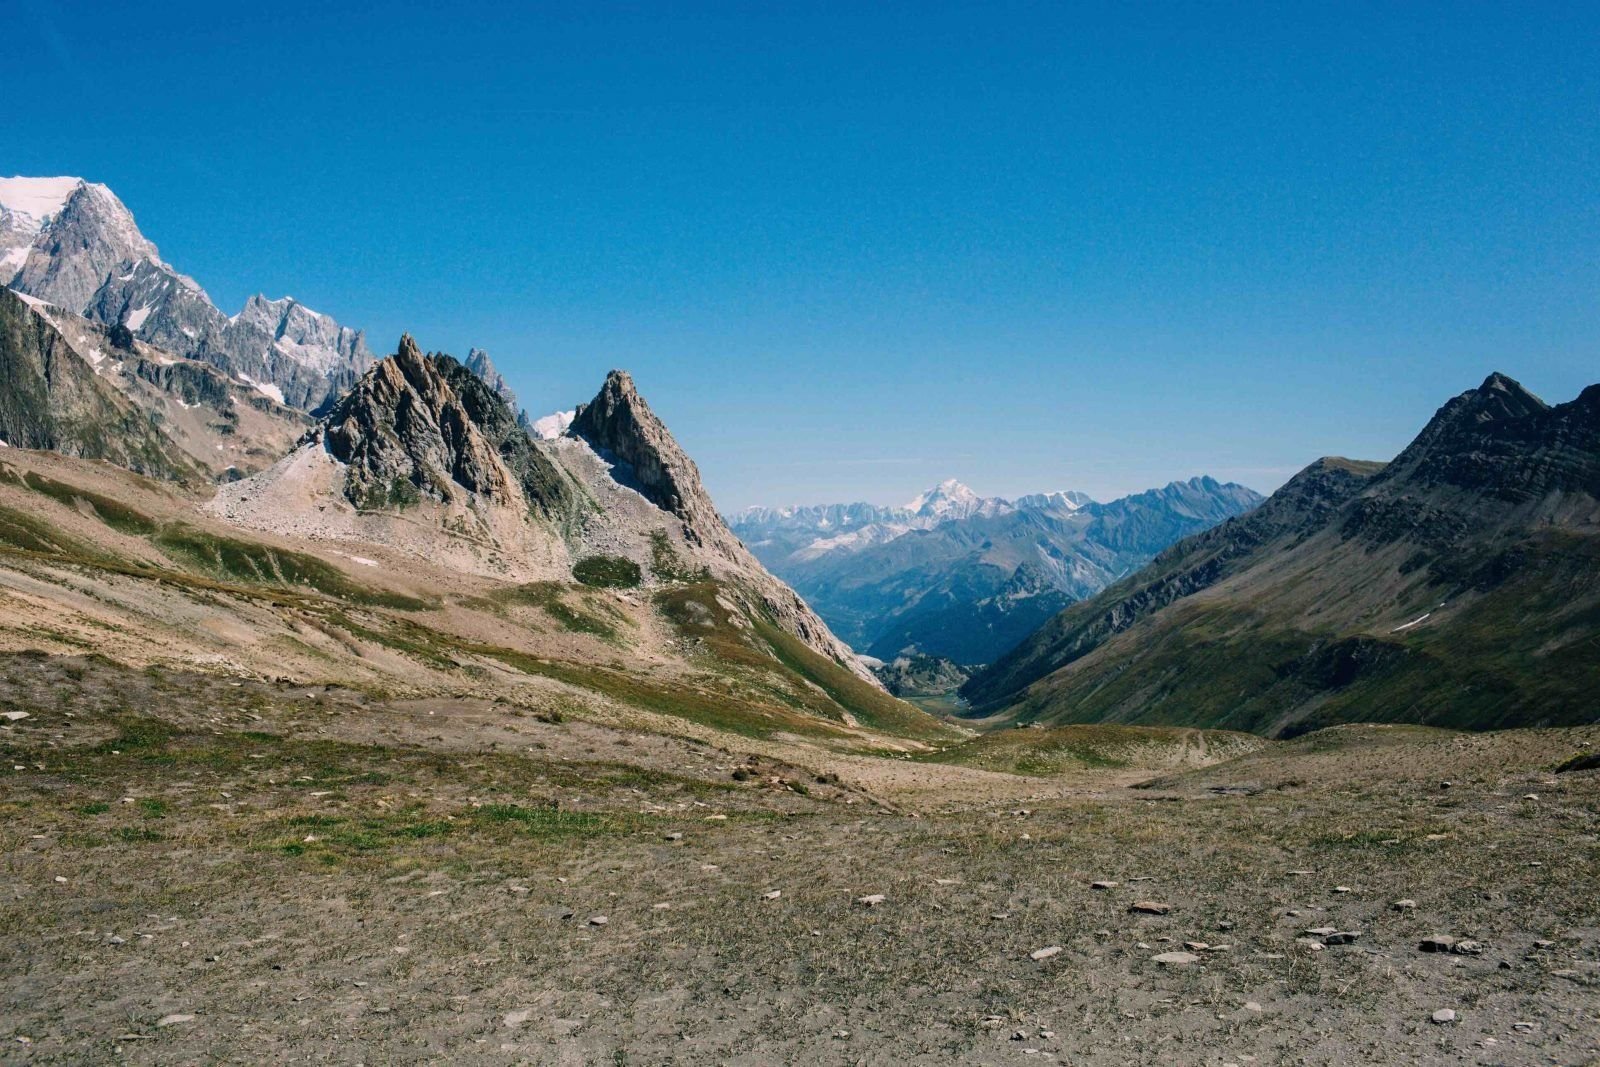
198	869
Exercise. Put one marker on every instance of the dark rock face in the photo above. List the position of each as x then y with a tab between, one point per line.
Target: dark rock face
618	424
51	399
479	363
417	426
1491	447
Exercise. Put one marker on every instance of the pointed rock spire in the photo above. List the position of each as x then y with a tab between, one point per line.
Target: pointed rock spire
619	423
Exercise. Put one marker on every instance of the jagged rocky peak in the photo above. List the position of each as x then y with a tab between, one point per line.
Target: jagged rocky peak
308	337
619	424
74	244
425	427
1502	439
479	363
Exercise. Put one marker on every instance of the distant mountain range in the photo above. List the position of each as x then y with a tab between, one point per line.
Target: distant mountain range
1458	585
963	577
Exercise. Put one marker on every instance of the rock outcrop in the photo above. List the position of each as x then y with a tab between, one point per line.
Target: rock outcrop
419	426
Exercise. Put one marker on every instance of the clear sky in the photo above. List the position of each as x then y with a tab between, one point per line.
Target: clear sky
848	250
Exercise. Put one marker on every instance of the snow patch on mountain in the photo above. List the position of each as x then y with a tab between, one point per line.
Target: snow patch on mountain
36	199
553	426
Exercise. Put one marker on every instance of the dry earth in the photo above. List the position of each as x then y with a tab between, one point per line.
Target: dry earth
208	869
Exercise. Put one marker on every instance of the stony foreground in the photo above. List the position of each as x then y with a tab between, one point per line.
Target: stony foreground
213	871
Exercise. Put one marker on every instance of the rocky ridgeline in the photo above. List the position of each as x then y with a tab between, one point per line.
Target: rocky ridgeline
420	426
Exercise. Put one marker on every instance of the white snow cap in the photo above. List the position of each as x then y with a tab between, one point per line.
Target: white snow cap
37	198
948	495
552	426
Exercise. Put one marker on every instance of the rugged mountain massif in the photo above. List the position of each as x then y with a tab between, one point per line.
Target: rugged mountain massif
420	532
74	245
965	577
1457	585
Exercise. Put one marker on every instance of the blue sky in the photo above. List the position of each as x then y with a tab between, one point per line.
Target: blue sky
848	250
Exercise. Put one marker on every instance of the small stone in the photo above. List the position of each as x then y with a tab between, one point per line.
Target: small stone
676	835
1321	931
115	940
1103	885
13	716
1444	1016
1251	1005
1467	947
1175	959
1018	1035
174	1019
1225	924
1044	953
1404	905
871	901
1341	937
1541	943
1311	944
774	894
1149	907
598	920
1436	943
663	906
1530	796
1196	946
1342	889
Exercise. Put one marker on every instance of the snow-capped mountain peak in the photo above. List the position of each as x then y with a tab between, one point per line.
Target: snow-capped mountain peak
1060	500
73	244
949	496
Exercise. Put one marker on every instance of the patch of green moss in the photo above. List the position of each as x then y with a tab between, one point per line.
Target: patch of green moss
608	572
667	565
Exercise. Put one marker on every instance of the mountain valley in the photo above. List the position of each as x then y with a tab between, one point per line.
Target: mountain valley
353	715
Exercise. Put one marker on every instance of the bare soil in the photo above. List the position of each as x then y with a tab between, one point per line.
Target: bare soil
209	869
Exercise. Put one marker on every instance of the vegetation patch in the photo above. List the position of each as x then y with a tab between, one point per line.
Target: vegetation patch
591	617
608	572
667	565
247	561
